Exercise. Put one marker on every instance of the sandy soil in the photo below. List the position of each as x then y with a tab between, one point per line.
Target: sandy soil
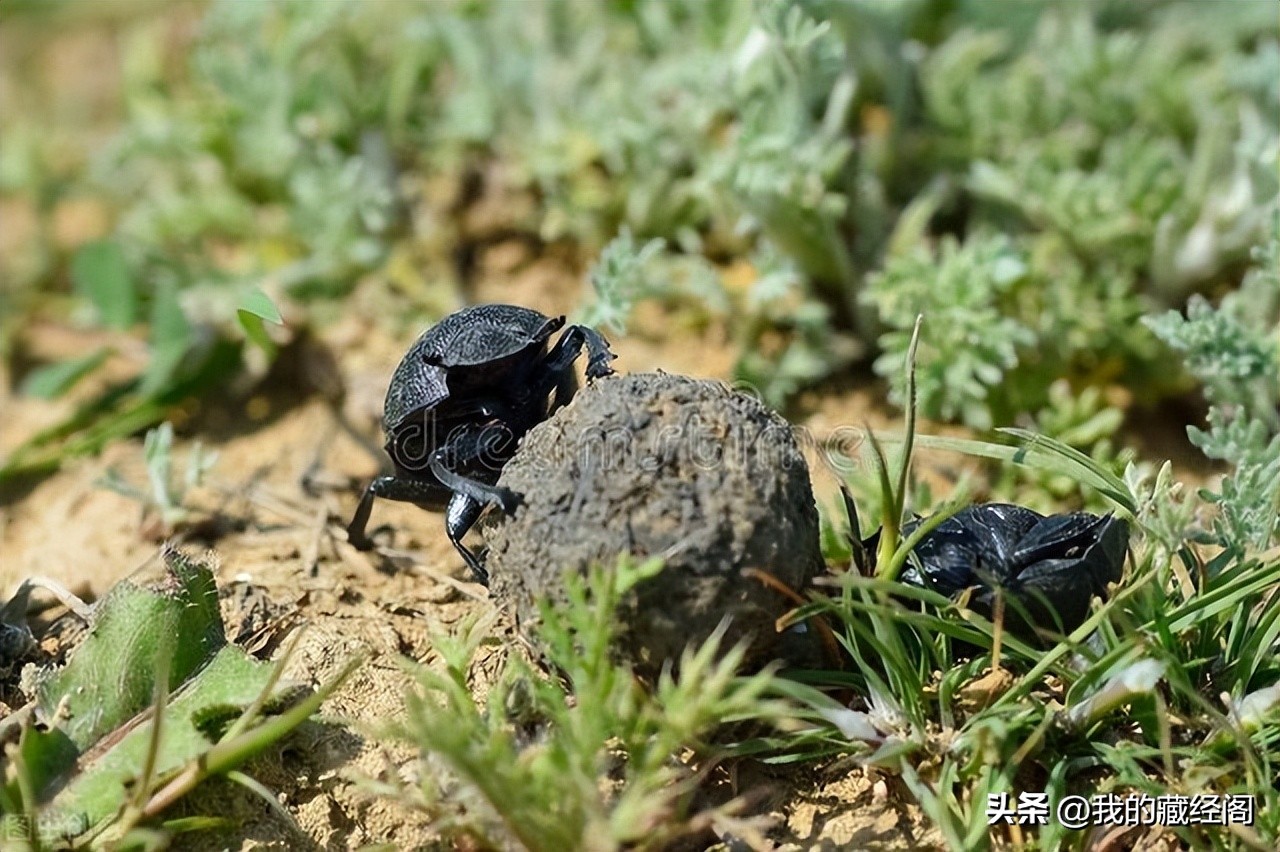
284	565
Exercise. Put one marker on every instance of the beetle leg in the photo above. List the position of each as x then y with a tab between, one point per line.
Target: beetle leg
566	387
460	484
356	529
556	373
569	346
389	488
550	327
482	492
461	515
598	353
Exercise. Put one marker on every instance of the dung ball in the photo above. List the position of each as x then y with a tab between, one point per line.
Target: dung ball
655	464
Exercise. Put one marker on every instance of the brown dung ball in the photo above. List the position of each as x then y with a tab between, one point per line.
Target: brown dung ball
658	464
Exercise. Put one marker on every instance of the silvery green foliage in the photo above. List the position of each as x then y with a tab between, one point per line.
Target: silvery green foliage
167	495
607	109
1128	152
786	162
627	273
1166	512
1155	167
300	138
802	347
970	338
1234	350
620	277
1118	190
778	301
273	147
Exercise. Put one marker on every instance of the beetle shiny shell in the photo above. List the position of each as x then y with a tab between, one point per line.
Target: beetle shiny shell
462	397
467	349
1048	567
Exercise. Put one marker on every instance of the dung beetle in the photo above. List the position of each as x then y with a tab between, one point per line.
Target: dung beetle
1047	567
465	393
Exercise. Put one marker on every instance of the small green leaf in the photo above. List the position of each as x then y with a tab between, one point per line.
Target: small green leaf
111	675
100	274
53	380
256	331
105	748
254	301
1037	452
95	784
256	307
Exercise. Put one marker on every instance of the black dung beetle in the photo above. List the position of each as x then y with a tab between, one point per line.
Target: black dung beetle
1048	567
466	392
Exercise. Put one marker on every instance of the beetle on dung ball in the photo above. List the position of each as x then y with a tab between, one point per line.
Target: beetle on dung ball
465	393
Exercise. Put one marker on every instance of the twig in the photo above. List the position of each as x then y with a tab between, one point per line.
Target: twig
15	611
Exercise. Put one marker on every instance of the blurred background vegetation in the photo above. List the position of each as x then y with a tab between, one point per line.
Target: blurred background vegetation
1078	196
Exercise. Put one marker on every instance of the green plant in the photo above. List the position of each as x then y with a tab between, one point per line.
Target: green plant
152	703
166	496
1083	421
1169	687
972	339
587	756
1125	159
1234	350
785	338
185	359
1089	195
1099	158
